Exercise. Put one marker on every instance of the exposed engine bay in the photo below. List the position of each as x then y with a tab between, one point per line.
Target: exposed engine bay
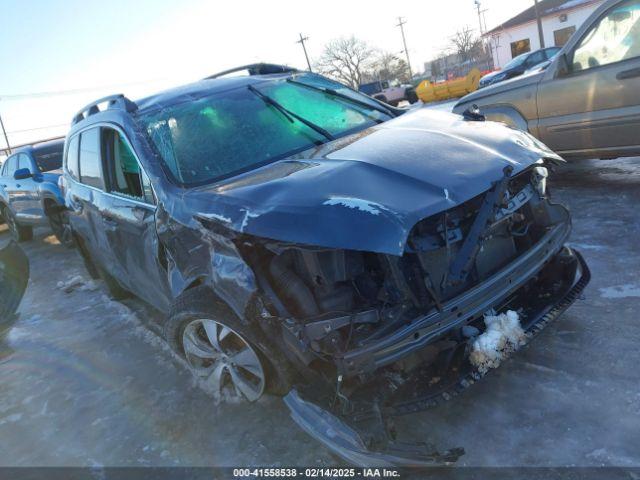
336	300
393	335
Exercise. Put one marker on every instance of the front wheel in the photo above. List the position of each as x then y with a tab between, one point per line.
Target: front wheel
20	233
225	353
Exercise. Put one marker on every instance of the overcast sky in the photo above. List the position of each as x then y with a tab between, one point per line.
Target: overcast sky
142	46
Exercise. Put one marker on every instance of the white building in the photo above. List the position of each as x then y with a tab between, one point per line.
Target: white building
560	19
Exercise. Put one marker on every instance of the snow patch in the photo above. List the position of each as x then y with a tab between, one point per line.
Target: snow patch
503	335
356	204
77	282
215	216
620	291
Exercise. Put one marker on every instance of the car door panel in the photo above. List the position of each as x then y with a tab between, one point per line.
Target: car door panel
131	232
595	106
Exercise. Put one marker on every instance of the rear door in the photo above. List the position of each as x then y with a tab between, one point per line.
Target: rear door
88	201
130	220
594	108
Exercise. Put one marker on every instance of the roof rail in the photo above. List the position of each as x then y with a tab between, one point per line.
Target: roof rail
257	69
113	101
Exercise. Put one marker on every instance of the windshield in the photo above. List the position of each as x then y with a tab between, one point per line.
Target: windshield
49	158
519	60
231	132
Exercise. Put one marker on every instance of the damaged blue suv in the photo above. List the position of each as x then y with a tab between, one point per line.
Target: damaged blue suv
307	240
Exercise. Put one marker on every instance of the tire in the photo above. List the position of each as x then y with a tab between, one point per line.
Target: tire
59	225
20	233
116	291
412	97
198	307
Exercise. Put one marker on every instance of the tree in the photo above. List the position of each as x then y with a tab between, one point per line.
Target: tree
466	44
346	60
388	66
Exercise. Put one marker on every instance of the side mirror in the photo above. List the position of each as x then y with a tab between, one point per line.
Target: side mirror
562	68
22	173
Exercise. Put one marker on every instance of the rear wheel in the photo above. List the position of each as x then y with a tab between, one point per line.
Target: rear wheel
59	224
224	352
20	233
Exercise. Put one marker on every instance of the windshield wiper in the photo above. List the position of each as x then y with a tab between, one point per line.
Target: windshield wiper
335	93
289	114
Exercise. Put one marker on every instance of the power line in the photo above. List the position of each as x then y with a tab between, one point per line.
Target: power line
301	42
39	128
401	23
57	93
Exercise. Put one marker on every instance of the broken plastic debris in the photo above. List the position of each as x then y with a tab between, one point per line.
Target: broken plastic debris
503	335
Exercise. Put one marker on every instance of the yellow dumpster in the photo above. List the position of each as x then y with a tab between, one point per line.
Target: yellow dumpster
456	88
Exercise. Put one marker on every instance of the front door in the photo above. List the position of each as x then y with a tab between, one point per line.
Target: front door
130	221
594	107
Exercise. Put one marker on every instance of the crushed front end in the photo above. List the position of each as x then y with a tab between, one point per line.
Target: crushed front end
377	335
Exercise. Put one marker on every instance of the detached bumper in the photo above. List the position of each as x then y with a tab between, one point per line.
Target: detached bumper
335	432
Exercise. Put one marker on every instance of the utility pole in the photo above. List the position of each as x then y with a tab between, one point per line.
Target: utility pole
301	42
401	23
477	2
4	132
540	32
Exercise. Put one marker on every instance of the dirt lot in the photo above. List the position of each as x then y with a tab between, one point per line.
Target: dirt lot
87	381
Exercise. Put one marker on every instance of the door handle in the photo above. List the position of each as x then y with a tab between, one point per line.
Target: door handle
633	73
109	223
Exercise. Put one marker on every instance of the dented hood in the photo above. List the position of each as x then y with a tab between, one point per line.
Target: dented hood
367	191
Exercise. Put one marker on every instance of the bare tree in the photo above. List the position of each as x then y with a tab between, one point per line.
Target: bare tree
388	66
466	44
346	60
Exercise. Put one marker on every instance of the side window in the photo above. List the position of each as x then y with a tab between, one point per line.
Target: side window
125	175
24	162
72	157
535	59
616	37
90	158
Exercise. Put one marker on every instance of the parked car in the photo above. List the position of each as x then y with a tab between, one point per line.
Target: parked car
391	93
519	65
305	239
585	104
29	193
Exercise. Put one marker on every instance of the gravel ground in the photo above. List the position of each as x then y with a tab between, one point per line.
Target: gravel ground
88	382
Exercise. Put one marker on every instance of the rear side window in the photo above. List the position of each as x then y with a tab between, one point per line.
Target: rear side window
90	158
24	162
72	157
10	166
49	158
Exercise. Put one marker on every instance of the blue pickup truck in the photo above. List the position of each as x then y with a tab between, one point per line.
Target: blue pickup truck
29	192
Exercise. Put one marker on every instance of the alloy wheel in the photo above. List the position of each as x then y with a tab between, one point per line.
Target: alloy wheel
222	357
